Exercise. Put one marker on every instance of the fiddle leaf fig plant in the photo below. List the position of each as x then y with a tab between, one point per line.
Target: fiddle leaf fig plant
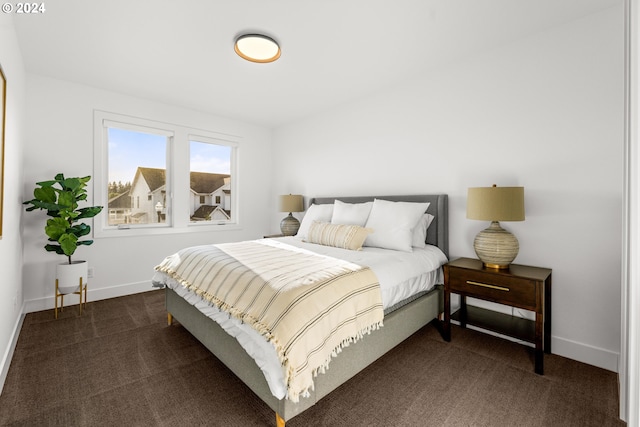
60	197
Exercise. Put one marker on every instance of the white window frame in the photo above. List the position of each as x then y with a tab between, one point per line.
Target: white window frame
177	173
210	139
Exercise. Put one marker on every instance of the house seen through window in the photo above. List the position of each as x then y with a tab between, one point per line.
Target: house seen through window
137	176
210	181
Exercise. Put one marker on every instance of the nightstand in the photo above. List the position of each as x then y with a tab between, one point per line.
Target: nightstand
271	236
520	286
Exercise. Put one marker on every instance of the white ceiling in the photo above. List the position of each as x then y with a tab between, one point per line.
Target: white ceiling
181	52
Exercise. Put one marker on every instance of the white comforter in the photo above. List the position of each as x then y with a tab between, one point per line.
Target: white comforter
401	275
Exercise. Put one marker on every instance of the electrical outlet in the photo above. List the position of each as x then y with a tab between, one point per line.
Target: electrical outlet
90	272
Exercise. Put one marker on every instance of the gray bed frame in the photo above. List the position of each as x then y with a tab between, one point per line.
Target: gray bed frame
398	325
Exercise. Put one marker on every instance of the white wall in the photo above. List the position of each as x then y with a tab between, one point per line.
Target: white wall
545	113
60	139
11	241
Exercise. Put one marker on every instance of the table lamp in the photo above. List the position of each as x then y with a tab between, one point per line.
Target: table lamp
495	246
290	203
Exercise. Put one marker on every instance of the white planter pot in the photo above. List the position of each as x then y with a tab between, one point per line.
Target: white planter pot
68	276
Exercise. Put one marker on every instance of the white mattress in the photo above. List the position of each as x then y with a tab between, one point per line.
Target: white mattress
401	275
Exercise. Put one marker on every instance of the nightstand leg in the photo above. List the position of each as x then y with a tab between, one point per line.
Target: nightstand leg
463	311
540	362
539	349
446	328
547	315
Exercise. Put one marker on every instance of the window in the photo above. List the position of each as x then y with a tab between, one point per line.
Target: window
210	176
155	177
138	158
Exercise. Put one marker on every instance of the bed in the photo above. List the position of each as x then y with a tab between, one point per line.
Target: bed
400	321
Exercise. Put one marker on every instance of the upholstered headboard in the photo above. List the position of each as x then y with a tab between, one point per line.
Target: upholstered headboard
438	232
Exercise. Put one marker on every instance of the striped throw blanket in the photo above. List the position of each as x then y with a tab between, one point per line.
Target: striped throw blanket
308	306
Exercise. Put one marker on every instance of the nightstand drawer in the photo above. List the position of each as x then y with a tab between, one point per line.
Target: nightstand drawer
505	290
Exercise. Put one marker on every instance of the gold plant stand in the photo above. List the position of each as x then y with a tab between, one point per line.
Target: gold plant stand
82	289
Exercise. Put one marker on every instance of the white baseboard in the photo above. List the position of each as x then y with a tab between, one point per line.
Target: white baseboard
8	355
584	353
92	295
602	358
119	291
577	351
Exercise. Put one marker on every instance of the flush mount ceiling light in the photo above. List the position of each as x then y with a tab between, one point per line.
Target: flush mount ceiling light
257	48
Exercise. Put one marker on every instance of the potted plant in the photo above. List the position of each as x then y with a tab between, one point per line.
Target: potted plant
60	197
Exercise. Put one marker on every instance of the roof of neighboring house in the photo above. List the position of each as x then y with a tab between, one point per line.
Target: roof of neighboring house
205	183
120	201
204	212
154	177
201	182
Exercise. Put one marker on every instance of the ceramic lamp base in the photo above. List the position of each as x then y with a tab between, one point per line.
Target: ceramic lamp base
289	225
496	247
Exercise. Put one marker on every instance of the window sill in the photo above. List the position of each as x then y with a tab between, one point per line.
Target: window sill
158	231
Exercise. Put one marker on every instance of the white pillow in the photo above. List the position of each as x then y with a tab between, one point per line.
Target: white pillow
320	213
420	231
351	213
393	224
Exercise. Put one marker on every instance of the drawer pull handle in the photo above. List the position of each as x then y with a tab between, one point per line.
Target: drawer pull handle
484	285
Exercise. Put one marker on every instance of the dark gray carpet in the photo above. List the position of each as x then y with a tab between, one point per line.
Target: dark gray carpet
120	365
